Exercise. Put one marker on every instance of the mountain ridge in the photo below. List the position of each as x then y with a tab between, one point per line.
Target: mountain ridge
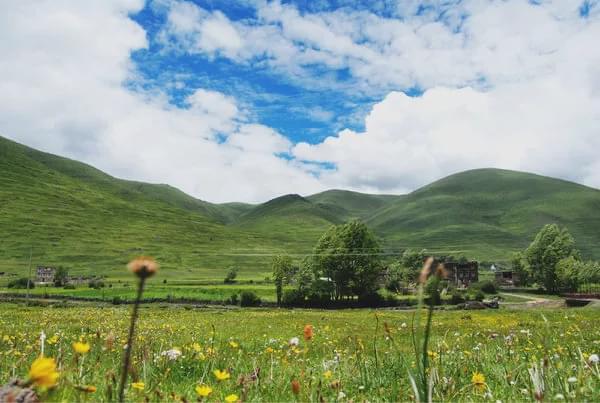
72	213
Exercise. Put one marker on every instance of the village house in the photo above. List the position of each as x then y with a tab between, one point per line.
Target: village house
45	274
507	278
462	274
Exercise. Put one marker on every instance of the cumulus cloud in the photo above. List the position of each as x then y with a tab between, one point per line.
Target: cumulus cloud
506	84
62	72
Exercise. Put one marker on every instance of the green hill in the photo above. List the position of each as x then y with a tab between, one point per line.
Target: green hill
68	213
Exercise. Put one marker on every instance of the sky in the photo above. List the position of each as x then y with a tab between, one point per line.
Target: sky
249	100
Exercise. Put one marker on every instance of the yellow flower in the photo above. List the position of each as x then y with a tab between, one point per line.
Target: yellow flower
478	380
81	348
43	372
221	375
269	350
143	266
196	347
138	385
233	344
87	389
327	374
231	398
203	390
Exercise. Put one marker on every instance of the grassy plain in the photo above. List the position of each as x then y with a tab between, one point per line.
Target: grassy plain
351	357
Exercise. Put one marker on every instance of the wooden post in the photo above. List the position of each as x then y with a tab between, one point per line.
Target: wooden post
29	275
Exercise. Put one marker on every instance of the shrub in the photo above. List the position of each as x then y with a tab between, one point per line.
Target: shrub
293	298
248	298
117	300
486	286
479	296
232	300
96	284
69	286
231	276
456	298
21	283
372	300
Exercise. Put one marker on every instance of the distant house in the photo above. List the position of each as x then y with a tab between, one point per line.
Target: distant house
507	278
462	273
45	274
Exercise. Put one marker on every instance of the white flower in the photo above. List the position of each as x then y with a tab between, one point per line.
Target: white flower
172	354
361	387
572	379
403	325
294	341
594	359
341	395
559	396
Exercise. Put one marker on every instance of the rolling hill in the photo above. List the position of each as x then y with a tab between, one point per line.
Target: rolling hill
64	212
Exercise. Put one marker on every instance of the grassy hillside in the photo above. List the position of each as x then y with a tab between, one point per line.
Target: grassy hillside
68	213
71	214
487	212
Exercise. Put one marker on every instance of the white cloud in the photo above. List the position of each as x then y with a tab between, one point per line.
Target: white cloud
61	78
517	86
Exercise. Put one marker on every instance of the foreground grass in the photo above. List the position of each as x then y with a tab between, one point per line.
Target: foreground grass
354	355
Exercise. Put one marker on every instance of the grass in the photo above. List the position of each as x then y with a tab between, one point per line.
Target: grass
354	355
63	212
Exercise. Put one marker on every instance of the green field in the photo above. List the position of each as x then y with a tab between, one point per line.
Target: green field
63	212
351	356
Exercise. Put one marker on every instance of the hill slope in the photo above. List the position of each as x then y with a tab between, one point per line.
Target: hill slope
72	214
489	211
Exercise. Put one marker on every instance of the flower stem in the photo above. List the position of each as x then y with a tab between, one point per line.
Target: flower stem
127	357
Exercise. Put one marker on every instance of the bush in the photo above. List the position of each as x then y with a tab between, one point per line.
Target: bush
479	296
96	284
456	298
232	300
248	298
231	276
487	287
21	283
293	298
69	286
117	300
371	300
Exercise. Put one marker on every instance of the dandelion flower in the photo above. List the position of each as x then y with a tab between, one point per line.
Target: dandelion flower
43	372
233	344
221	375
87	389
138	385
231	398
294	341
81	347
171	354
593	359
143	266
478	380
203	390
308	332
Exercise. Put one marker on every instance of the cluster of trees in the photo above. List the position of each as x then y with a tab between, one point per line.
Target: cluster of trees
553	261
346	263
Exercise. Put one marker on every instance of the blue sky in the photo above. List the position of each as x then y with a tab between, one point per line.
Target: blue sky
248	100
300	112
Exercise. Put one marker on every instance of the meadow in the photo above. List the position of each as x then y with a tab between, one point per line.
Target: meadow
306	355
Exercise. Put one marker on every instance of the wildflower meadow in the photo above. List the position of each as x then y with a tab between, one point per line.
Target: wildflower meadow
74	354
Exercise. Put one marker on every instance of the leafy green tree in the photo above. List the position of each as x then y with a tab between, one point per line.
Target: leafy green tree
519	267
349	255
550	246
231	275
61	276
283	271
412	261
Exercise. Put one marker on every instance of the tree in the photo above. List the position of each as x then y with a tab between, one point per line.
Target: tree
412	261
348	255
61	276
550	245
231	276
283	269
518	266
